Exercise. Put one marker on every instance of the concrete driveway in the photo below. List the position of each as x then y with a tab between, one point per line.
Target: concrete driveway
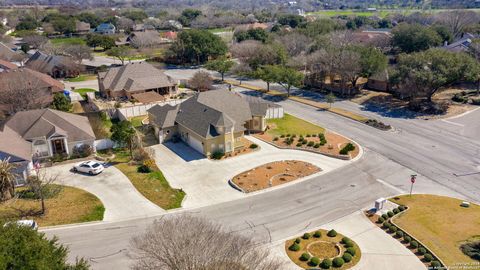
206	181
93	84
119	197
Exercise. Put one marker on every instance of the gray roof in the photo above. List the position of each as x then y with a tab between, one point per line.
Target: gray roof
135	77
13	146
6	53
45	63
259	106
47	122
205	112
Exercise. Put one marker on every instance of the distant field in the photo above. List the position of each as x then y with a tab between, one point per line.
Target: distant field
382	13
72	40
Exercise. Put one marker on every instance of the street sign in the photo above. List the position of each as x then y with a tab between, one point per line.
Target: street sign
413	177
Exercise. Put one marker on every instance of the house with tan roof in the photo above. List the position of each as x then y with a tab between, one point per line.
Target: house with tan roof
57	66
134	80
39	134
211	121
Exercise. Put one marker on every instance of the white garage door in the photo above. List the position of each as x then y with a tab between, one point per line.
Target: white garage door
195	144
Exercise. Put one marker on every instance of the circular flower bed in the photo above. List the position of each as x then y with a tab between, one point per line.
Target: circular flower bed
323	249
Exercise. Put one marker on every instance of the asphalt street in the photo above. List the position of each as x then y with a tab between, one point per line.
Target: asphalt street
446	160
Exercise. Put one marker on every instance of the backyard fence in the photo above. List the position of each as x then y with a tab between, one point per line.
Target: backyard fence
139	110
274	113
104	144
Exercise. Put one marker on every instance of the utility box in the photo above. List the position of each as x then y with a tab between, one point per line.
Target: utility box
379	203
465	204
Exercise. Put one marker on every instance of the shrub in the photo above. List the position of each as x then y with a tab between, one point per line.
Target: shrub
401	208
282	136
317	145
306	236
275	139
311	143
385	216
304	142
299	144
407	239
317	234
345	240
349	244
308	136
253	146
380	220
314	261
390	214
144	169
413	244
428	257
298	240
305	257
399	234
300	139
351	251
460	98
393	229
347	148
435	264
422	251
396	211
347	257
142	154
332	233
476	101
218	155
326	264
83	150
386	224
471	249
314	135
338	262
293	136
294	247
288	135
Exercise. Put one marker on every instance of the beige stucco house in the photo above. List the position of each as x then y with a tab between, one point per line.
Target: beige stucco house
212	121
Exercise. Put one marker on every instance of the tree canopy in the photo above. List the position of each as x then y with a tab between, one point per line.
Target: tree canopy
415	37
221	65
197	46
61	102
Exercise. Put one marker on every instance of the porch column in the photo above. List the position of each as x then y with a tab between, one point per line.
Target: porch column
65	144
50	148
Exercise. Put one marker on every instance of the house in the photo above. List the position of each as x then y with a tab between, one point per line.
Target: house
39	134
19	83
144	39
8	53
460	45
82	28
135	79
212	121
105	29
140	27
379	81
57	66
170	35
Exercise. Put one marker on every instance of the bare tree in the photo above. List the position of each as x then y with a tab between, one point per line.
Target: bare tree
295	43
458	20
42	185
201	81
78	52
186	242
20	93
35	41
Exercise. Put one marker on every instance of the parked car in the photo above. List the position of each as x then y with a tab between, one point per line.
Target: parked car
24	222
90	167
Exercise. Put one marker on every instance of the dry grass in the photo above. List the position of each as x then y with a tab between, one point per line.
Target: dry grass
441	224
70	205
323	249
295	255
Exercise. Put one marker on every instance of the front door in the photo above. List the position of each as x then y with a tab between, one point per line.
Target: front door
58	146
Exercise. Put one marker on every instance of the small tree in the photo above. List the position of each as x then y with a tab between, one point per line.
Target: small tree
61	102
330	98
42	185
288	77
201	81
123	133
221	65
24	248
266	74
204	245
7	178
120	52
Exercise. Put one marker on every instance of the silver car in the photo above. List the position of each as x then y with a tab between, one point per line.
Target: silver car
90	167
24	223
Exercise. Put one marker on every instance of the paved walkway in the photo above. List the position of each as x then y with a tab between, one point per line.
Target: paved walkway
379	250
206	181
119	197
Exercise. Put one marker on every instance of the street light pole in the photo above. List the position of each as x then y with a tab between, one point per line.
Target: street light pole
413	177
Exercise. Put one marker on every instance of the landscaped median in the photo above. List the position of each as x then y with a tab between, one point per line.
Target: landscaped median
64	205
147	178
324	249
291	132
436	228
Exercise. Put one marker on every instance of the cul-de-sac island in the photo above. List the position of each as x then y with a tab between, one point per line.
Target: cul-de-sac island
239	135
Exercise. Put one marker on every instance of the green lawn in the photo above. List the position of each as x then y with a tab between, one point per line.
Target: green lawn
137	120
152	185
220	30
83	91
70	40
292	125
441	223
82	77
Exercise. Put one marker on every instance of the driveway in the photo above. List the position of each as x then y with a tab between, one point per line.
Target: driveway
119	197
379	250
93	84
206	181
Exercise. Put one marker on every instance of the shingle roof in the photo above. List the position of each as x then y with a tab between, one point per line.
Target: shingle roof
135	76
82	26
29	77
46	63
164	115
47	122
258	106
7	53
13	146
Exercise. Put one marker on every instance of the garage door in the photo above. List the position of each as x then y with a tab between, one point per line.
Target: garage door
195	144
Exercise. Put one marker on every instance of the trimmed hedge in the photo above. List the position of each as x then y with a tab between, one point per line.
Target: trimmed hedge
428	257
435	264
390	214
401	208
275	139
347	257
385	216
351	251
338	262
349	244
294	247
413	244
347	148
311	143
396	211
253	146
407	239
298	240
306	236
314	261
317	234
332	233
305	257
422	251
380	220
326	264
399	234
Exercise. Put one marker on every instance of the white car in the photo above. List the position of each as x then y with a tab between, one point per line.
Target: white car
90	167
24	222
